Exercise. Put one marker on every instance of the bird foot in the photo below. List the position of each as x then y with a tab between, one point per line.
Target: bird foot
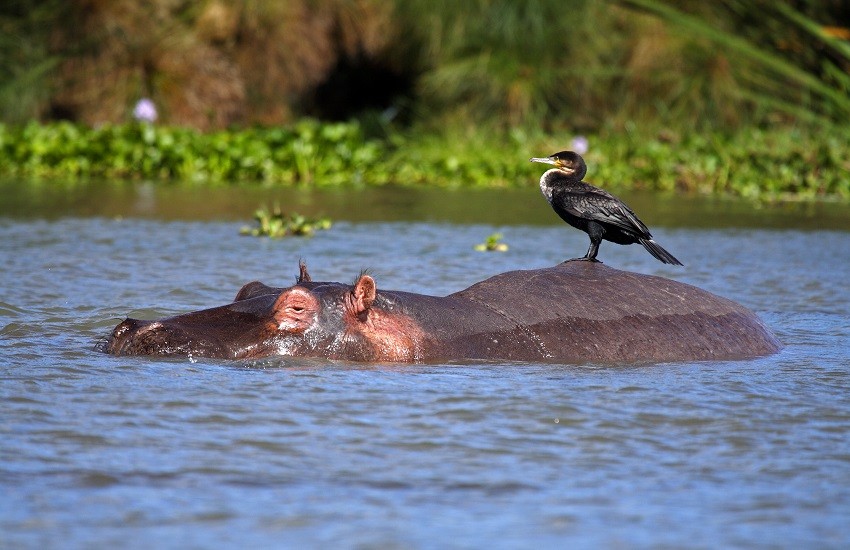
585	259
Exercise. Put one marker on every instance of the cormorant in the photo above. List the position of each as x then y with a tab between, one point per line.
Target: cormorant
596	212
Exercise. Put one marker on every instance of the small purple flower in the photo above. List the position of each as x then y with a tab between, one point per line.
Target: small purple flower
579	144
145	110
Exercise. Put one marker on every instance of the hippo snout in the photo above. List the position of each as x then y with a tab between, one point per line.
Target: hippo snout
133	336
137	337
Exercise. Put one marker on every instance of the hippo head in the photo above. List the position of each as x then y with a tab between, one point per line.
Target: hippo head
309	319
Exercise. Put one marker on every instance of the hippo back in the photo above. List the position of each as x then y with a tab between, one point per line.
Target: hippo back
584	311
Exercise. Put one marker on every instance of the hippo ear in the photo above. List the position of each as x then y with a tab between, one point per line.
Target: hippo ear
303	276
363	294
250	290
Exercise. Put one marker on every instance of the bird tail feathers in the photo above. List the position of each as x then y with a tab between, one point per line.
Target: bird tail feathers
658	251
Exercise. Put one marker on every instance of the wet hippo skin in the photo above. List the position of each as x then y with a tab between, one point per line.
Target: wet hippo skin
574	312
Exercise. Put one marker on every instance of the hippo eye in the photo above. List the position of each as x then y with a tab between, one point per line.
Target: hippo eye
297	309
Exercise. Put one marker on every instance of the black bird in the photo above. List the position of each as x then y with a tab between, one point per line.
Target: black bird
596	212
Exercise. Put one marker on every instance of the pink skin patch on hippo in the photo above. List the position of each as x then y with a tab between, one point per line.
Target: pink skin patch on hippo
370	333
392	336
295	310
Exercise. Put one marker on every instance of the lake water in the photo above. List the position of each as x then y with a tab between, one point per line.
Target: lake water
134	452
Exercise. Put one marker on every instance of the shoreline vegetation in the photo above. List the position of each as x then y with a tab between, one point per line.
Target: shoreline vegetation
743	97
776	164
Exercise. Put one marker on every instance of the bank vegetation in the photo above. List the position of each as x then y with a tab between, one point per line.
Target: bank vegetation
737	96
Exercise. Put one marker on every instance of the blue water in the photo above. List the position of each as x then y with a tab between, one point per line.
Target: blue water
131	452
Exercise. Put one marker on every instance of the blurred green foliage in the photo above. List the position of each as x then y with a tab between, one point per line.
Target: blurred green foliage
745	97
307	153
763	164
545	64
26	59
773	57
589	65
276	224
493	243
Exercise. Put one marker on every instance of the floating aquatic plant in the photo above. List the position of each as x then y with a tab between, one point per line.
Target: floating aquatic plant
492	244
276	224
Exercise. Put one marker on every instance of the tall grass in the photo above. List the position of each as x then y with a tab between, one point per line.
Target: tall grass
591	65
481	64
26	62
791	81
549	65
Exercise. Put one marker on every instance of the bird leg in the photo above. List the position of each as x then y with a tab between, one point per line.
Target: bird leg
595	231
591	254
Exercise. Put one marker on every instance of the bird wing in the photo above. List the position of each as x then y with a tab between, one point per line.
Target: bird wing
596	204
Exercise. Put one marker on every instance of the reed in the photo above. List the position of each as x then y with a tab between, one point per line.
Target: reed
26	61
550	65
784	81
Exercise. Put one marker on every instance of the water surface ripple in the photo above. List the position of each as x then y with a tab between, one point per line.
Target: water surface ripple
130	452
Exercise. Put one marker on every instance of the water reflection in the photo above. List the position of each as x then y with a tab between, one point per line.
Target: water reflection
168	201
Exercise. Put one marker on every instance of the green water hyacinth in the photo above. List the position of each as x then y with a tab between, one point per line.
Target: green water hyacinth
492	244
763	164
305	153
276	224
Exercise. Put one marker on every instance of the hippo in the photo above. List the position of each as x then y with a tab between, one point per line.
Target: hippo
574	312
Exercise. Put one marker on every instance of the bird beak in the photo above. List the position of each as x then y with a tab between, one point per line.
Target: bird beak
544	160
